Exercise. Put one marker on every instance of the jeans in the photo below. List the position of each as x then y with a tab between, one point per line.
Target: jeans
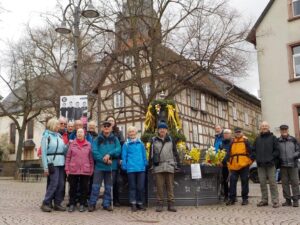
136	183
55	190
264	174
163	179
99	177
290	180
83	182
234	176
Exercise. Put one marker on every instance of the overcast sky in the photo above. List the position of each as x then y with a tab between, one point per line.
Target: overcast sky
21	12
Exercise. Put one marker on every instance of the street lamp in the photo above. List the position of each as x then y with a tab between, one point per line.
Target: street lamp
88	12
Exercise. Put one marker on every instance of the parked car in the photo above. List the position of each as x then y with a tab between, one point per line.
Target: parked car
253	175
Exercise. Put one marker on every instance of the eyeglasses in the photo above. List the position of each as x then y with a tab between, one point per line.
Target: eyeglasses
63	124
106	126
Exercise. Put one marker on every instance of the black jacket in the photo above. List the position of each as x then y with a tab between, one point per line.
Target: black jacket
266	150
289	151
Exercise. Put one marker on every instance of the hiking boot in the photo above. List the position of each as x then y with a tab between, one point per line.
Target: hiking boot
141	207
81	208
71	208
159	208
108	208
91	208
133	208
245	202
172	208
46	208
230	202
287	202
262	203
276	205
295	203
59	208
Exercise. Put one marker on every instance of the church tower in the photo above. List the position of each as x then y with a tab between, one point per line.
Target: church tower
138	20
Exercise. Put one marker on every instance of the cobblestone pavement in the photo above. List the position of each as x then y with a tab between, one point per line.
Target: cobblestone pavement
19	204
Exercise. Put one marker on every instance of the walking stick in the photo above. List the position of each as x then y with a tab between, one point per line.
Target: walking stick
112	187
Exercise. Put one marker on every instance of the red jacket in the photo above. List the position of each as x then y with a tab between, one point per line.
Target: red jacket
79	160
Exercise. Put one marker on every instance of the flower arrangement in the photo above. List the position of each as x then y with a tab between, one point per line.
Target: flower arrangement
214	159
148	145
195	155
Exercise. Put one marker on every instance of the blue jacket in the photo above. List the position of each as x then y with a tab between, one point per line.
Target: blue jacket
51	141
218	141
106	145
134	156
88	136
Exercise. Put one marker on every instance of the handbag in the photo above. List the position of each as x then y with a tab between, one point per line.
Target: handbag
51	168
156	156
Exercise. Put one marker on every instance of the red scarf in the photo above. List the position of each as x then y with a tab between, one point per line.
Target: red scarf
80	143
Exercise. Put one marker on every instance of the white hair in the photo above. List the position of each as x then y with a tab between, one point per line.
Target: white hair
227	131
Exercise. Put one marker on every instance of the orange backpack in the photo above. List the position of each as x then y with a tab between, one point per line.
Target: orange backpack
239	155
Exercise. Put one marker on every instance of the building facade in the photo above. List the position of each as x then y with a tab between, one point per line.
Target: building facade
276	36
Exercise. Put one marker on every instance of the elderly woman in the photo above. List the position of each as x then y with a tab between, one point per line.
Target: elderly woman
53	157
134	161
79	168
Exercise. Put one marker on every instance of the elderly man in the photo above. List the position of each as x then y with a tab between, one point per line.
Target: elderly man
289	154
226	143
63	129
239	159
106	150
218	137
164	159
266	151
92	126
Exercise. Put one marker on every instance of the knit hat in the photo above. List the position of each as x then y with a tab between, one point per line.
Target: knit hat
162	125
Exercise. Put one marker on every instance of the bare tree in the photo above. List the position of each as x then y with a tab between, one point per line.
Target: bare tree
27	90
179	43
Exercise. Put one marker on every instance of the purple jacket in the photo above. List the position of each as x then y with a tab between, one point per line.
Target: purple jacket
79	160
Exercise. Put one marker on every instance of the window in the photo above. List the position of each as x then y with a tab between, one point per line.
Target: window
246	119
119	99
234	113
30	126
12	134
296	61
193	99
128	61
203	103
296	7
296	112
147	90
195	133
220	109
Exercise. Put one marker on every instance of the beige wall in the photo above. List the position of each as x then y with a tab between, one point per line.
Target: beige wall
37	136
277	93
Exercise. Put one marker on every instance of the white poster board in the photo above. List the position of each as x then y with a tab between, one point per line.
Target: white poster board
74	107
196	171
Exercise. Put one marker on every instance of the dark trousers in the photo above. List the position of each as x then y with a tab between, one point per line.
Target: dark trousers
136	183
164	179
116	186
234	176
290	180
56	185
99	177
83	182
225	185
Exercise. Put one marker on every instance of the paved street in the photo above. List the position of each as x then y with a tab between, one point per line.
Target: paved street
19	204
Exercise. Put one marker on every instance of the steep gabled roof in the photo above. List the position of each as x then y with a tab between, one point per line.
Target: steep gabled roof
252	35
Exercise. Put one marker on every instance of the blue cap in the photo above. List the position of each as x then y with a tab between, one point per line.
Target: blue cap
162	125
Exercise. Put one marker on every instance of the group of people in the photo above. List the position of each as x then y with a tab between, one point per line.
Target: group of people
85	159
270	153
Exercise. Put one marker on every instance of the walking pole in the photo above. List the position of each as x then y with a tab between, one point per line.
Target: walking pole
112	187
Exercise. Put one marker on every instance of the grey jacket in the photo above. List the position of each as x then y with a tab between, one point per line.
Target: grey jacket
289	151
168	157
